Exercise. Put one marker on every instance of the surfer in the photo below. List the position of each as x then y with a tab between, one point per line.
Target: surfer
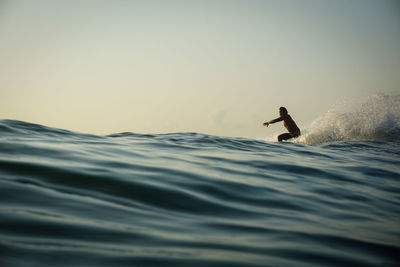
289	124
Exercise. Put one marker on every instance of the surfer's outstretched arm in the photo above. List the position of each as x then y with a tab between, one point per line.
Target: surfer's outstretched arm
273	121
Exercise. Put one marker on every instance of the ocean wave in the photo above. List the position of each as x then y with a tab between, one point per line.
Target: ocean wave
179	199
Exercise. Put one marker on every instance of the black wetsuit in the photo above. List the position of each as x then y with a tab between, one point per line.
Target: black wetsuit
290	125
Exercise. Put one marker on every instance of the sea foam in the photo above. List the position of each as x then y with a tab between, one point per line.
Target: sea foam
375	118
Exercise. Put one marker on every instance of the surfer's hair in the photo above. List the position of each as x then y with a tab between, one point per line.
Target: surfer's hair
283	110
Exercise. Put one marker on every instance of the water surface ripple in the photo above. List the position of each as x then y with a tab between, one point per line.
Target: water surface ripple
189	199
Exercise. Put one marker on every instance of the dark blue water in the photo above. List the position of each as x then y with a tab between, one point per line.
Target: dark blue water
189	199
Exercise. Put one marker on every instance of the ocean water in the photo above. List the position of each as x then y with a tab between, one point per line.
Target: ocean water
329	198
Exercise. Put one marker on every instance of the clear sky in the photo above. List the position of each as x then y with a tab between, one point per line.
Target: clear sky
215	67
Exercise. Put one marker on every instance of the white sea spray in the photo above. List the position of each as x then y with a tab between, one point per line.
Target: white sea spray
375	118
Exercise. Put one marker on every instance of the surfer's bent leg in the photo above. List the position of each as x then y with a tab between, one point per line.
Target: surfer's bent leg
287	136
284	136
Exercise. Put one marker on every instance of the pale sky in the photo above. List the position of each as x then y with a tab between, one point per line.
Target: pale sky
214	67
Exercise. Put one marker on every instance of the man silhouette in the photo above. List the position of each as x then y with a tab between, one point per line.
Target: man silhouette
289	124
